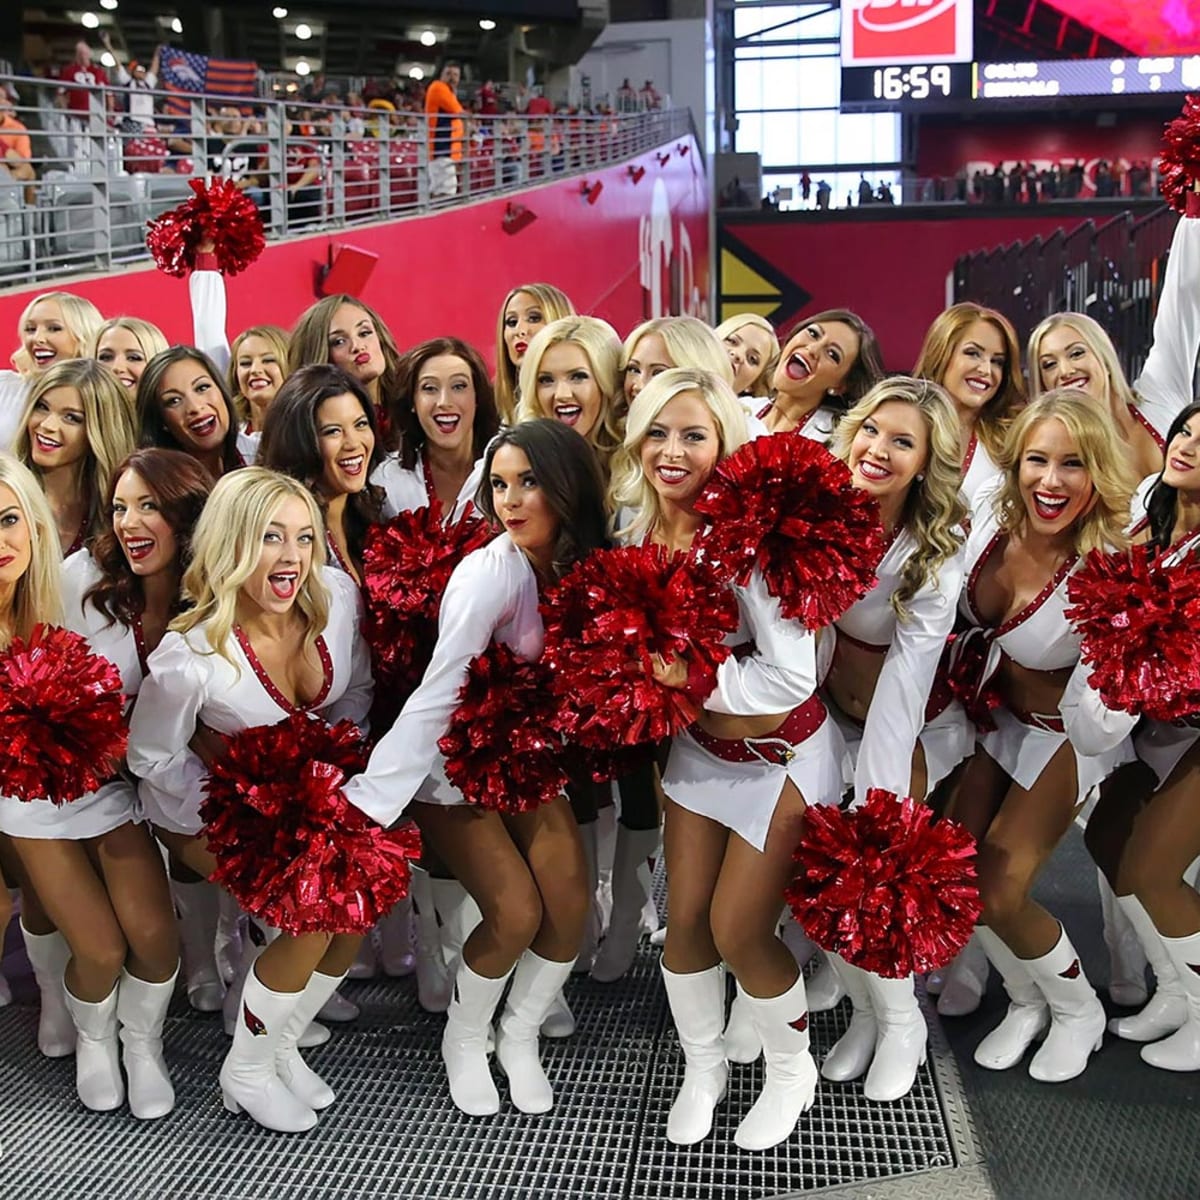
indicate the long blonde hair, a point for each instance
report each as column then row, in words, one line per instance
column 555, row 305
column 762, row 383
column 689, row 342
column 227, row 545
column 934, row 512
column 148, row 336
column 1094, row 336
column 80, row 317
column 277, row 339
column 1104, row 457
column 630, row 487
column 38, row 594
column 108, row 425
column 599, row 341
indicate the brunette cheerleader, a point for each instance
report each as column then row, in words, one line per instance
column 1064, row 490
column 737, row 782
column 272, row 632
column 753, row 349
column 526, row 871
column 525, row 311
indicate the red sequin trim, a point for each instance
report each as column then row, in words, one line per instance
column 269, row 684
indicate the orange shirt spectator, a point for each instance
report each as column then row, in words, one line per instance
column 441, row 109
column 14, row 137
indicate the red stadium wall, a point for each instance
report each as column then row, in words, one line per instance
column 891, row 270
column 639, row 248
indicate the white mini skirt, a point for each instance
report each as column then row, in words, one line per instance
column 93, row 815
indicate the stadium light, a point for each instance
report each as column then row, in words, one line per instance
column 89, row 21
column 429, row 38
column 416, row 73
column 109, row 5
column 302, row 68
column 176, row 25
column 303, row 32
column 487, row 24
column 279, row 13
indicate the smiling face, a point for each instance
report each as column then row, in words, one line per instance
column 354, row 344
column 524, row 315
column 284, row 561
column 445, row 401
column 816, row 361
column 193, row 408
column 57, row 429
column 122, row 354
column 650, row 357
column 567, row 390
column 1066, row 360
column 145, row 535
column 976, row 367
column 681, row 449
column 749, row 349
column 890, row 449
column 259, row 371
column 1055, row 485
column 521, row 504
column 16, row 539
column 346, row 442
column 1182, row 467
column 45, row 336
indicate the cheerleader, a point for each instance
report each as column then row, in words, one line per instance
column 321, row 431
column 444, row 415
column 78, row 425
column 526, row 871
column 826, row 365
column 258, row 361
column 901, row 442
column 1064, row 490
column 737, row 782
column 94, row 865
column 345, row 332
column 54, row 326
column 182, row 404
column 665, row 342
column 525, row 311
column 973, row 353
column 753, row 349
column 272, row 632
column 125, row 345
column 571, row 373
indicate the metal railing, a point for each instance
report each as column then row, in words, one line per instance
column 1112, row 272
column 99, row 173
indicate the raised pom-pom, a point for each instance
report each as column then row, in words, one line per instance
column 608, row 619
column 62, row 721
column 1139, row 628
column 289, row 846
column 885, row 887
column 501, row 749
column 219, row 212
column 786, row 505
column 1179, row 161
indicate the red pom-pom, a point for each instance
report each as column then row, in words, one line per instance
column 218, row 212
column 288, row 844
column 1179, row 161
column 606, row 619
column 407, row 564
column 501, row 751
column 786, row 505
column 1139, row 625
column 62, row 721
column 885, row 887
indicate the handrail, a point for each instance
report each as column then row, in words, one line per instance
column 101, row 173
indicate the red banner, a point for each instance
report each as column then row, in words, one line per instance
column 901, row 31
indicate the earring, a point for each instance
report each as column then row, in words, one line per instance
column 920, row 478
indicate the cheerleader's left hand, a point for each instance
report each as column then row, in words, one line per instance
column 671, row 673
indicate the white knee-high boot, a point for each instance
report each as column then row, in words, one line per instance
column 631, row 883
column 853, row 1051
column 48, row 956
column 434, row 981
column 97, row 1066
column 900, row 1044
column 825, row 987
column 1126, row 954
column 1181, row 1051
column 1028, row 1015
column 296, row 1075
column 1167, row 1010
column 199, row 907
column 464, row 1041
column 1077, row 1019
column 697, row 1003
column 142, row 1011
column 964, row 981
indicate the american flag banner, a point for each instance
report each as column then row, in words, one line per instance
column 186, row 74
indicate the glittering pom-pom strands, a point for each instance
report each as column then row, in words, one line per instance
column 219, row 212
column 885, row 887
column 289, row 847
column 607, row 621
column 62, row 720
column 1139, row 625
column 501, row 750
column 1179, row 164
column 784, row 504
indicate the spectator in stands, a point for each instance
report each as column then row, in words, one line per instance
column 805, row 186
column 488, row 106
column 649, row 95
column 16, row 150
column 303, row 179
column 865, row 194
column 445, row 128
column 626, row 97
column 141, row 83
column 824, row 192
column 85, row 74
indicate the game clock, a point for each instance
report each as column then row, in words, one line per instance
column 922, row 85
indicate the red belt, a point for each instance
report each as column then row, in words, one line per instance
column 1038, row 720
column 776, row 747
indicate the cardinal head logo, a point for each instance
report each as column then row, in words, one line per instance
column 253, row 1023
column 1072, row 972
column 800, row 1024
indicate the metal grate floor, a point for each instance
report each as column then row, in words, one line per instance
column 394, row 1132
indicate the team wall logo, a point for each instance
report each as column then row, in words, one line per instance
column 897, row 31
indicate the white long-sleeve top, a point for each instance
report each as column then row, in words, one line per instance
column 408, row 488
column 913, row 648
column 190, row 683
column 14, row 392
column 492, row 596
column 206, row 291
column 979, row 470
